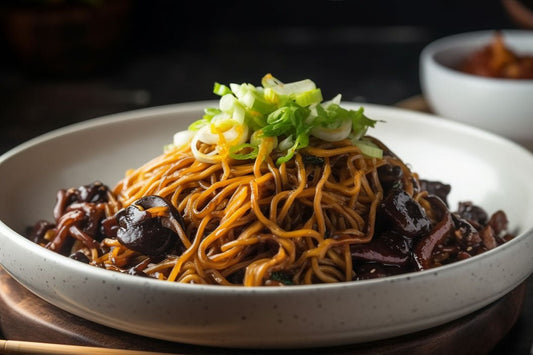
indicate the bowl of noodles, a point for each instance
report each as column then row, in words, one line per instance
column 268, row 218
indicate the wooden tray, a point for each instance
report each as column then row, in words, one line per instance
column 24, row 316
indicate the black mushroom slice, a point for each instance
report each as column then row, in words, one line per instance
column 498, row 222
column 436, row 188
column 491, row 233
column 78, row 213
column 472, row 213
column 93, row 193
column 406, row 215
column 424, row 247
column 390, row 177
column 80, row 256
column 37, row 232
column 402, row 181
column 148, row 230
column 466, row 235
column 387, row 248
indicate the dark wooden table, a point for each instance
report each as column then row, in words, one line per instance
column 23, row 316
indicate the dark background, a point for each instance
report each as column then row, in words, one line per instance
column 53, row 73
column 66, row 61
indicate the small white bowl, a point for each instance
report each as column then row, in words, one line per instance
column 502, row 106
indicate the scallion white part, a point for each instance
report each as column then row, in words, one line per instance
column 182, row 138
column 333, row 134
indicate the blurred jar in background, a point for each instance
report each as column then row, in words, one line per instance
column 64, row 37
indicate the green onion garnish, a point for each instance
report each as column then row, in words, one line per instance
column 289, row 112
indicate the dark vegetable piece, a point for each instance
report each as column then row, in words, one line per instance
column 92, row 193
column 466, row 234
column 489, row 238
column 151, row 235
column 472, row 213
column 109, row 227
column 491, row 232
column 78, row 213
column 135, row 272
column 80, row 256
column 387, row 248
column 281, row 278
column 38, row 230
column 403, row 182
column 390, row 177
column 312, row 160
column 498, row 222
column 406, row 215
column 436, row 188
column 80, row 223
column 425, row 246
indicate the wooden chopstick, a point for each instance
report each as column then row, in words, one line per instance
column 15, row 347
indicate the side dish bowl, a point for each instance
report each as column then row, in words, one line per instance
column 480, row 166
column 502, row 106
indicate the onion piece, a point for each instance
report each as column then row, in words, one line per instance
column 205, row 135
column 182, row 138
column 281, row 88
column 333, row 134
column 212, row 157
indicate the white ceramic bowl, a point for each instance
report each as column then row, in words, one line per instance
column 481, row 167
column 502, row 106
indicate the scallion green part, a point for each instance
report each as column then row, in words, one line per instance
column 369, row 149
column 290, row 112
column 221, row 89
column 250, row 151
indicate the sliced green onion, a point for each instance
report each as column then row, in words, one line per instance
column 333, row 134
column 254, row 102
column 286, row 144
column 241, row 90
column 227, row 103
column 252, row 154
column 239, row 113
column 210, row 112
column 257, row 137
column 230, row 105
column 250, row 116
column 279, row 87
column 336, row 100
column 310, row 97
column 302, row 141
column 271, row 96
column 361, row 123
column 221, row 89
column 196, row 125
column 268, row 81
column 270, row 144
column 299, row 86
column 369, row 149
column 255, row 119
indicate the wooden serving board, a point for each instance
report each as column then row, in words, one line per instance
column 24, row 316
